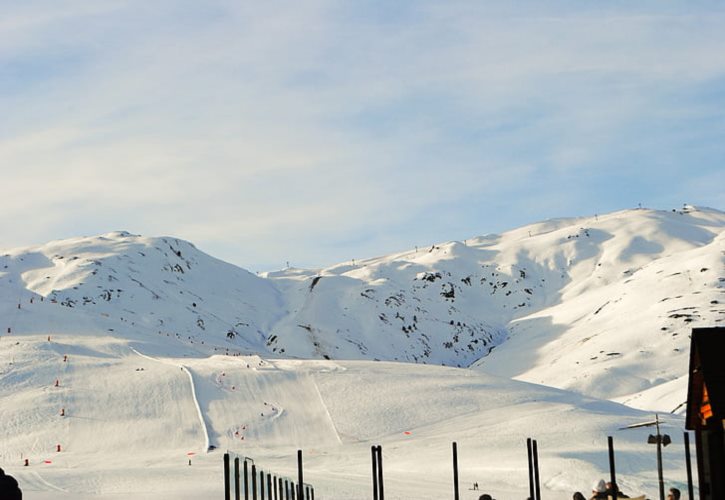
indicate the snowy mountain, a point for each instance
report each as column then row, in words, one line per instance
column 157, row 348
column 600, row 305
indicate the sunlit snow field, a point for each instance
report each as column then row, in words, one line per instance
column 564, row 331
column 131, row 422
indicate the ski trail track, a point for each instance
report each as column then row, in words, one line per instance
column 195, row 399
column 202, row 421
column 32, row 480
column 327, row 410
column 249, row 401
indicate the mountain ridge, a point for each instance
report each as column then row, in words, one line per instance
column 520, row 304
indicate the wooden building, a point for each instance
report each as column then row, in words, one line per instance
column 706, row 408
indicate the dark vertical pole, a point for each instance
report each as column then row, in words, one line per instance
column 659, row 458
column 292, row 489
column 286, row 489
column 261, row 485
column 612, row 472
column 307, row 493
column 275, row 480
column 535, row 449
column 254, row 482
column 236, row 478
column 380, row 472
column 690, row 489
column 269, row 486
column 659, row 468
column 246, row 481
column 373, row 452
column 227, row 495
column 531, row 469
column 455, row 471
column 300, row 483
column 313, row 493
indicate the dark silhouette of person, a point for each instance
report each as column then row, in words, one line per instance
column 599, row 490
column 612, row 488
column 674, row 494
column 485, row 496
column 9, row 489
column 578, row 496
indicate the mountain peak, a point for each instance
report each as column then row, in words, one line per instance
column 596, row 296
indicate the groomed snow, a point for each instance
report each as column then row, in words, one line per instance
column 571, row 329
column 131, row 421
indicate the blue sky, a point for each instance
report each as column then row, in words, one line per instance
column 316, row 132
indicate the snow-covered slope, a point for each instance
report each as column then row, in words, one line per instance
column 620, row 329
column 160, row 350
column 601, row 305
column 139, row 286
column 132, row 421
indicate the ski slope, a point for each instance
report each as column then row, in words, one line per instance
column 132, row 422
column 564, row 330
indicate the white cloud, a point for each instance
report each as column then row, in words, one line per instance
column 318, row 121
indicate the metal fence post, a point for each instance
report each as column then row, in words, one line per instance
column 612, row 472
column 380, row 472
column 300, row 483
column 455, row 471
column 226, row 477
column 373, row 452
column 236, row 478
column 246, row 481
column 254, row 482
column 530, row 450
column 690, row 489
column 535, row 449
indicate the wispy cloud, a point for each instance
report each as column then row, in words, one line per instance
column 286, row 130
